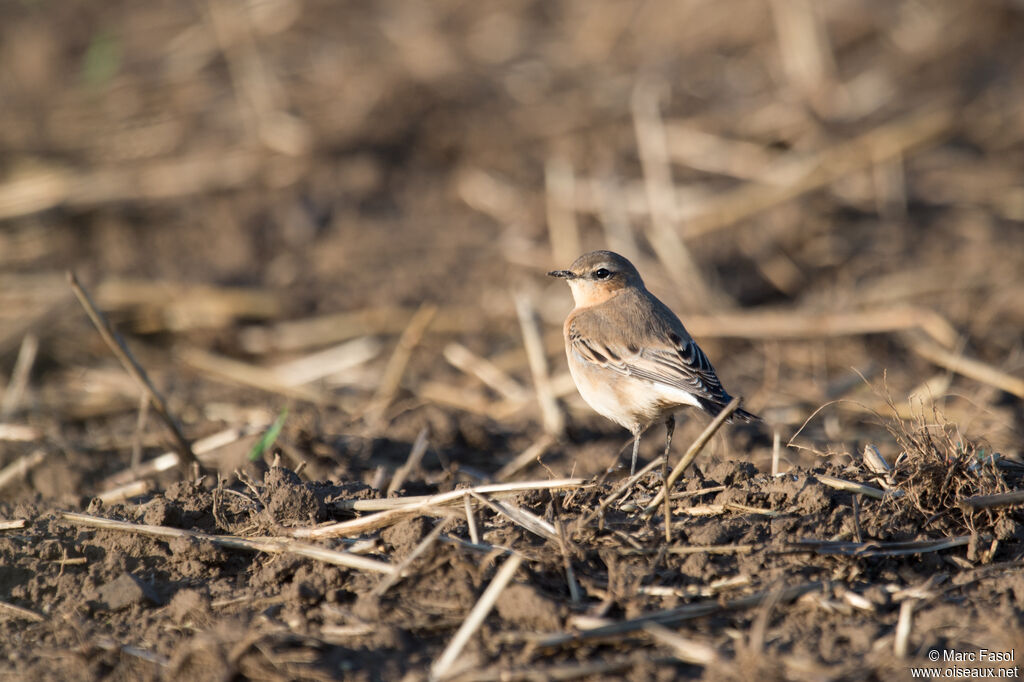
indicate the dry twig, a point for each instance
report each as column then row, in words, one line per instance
column 270, row 545
column 19, row 432
column 978, row 502
column 468, row 400
column 486, row 371
column 525, row 458
column 398, row 508
column 968, row 367
column 691, row 454
column 661, row 198
column 887, row 141
column 399, row 360
column 597, row 669
column 169, row 460
column 687, row 650
column 171, row 178
column 311, row 332
column 903, row 627
column 875, row 549
column 328, row 363
column 474, row 535
column 551, row 415
column 623, row 488
column 799, row 324
column 521, row 517
column 19, row 376
column 124, row 492
column 400, row 570
column 247, row 374
column 475, row 618
column 678, row 615
column 20, row 467
column 419, row 448
column 560, row 189
column 131, row 365
column 851, row 486
column 21, row 612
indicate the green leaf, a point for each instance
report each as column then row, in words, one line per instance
column 102, row 59
column 267, row 441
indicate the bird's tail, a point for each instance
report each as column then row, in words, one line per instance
column 739, row 415
column 742, row 415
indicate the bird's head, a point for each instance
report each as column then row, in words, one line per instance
column 597, row 276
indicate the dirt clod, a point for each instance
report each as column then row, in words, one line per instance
column 188, row 604
column 289, row 500
column 161, row 512
column 124, row 591
column 404, row 536
column 523, row 606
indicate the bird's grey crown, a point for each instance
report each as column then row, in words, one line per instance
column 595, row 260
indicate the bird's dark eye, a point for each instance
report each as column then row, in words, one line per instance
column 601, row 273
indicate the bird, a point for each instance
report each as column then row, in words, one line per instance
column 631, row 358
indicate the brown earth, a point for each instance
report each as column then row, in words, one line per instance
column 243, row 185
column 121, row 603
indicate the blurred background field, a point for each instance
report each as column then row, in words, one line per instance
column 347, row 209
column 828, row 193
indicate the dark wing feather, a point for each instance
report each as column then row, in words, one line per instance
column 677, row 362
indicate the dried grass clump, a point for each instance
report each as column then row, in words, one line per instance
column 937, row 468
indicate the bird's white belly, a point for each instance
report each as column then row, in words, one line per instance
column 626, row 400
column 601, row 397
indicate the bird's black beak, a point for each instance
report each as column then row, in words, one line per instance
column 562, row 274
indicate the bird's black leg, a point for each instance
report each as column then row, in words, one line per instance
column 670, row 428
column 636, row 449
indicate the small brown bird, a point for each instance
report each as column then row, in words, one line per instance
column 630, row 356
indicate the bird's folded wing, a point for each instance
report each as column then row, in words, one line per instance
column 677, row 363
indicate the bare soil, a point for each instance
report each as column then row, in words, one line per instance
column 124, row 604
